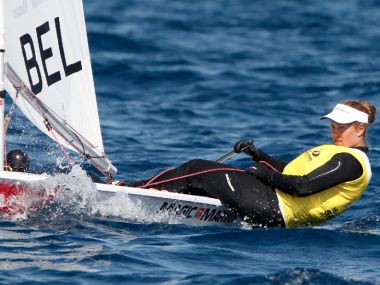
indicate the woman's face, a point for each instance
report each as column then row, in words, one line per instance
column 348, row 135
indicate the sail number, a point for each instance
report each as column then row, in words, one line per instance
column 46, row 52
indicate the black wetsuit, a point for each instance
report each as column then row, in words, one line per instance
column 254, row 197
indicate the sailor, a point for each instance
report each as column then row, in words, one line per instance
column 17, row 160
column 309, row 190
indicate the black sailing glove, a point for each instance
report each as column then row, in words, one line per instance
column 246, row 146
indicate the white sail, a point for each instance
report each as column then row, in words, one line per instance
column 47, row 51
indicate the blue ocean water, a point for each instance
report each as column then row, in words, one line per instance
column 178, row 80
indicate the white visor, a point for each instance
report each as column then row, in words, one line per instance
column 344, row 114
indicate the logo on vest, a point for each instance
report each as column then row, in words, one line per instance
column 311, row 154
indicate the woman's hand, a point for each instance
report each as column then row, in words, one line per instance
column 246, row 146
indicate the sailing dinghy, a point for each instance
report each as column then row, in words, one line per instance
column 45, row 67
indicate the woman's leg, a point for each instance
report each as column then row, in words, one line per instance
column 187, row 178
column 234, row 187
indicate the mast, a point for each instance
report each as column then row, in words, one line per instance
column 2, row 84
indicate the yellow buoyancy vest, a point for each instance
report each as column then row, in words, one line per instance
column 320, row 207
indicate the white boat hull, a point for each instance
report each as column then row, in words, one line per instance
column 160, row 206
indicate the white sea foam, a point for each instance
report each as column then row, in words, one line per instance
column 78, row 195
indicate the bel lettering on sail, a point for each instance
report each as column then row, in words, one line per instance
column 46, row 52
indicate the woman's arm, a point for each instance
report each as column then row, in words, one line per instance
column 341, row 168
column 260, row 155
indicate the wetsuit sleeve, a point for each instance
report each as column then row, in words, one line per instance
column 260, row 155
column 341, row 168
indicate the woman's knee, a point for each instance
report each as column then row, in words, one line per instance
column 197, row 161
column 196, row 165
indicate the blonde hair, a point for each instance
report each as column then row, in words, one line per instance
column 365, row 107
